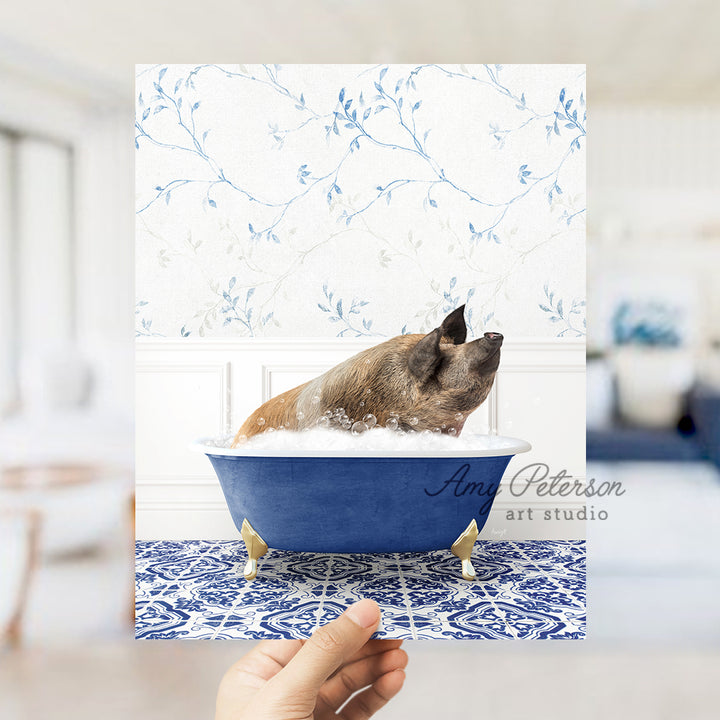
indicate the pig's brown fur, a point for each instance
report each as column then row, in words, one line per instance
column 378, row 381
column 274, row 413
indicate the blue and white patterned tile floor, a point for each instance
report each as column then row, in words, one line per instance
column 196, row 589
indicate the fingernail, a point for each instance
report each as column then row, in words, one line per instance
column 364, row 613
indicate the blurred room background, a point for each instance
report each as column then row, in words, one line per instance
column 66, row 356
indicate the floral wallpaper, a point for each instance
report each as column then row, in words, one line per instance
column 343, row 200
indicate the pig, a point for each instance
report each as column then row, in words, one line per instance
column 412, row 382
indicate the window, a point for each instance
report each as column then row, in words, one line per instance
column 37, row 268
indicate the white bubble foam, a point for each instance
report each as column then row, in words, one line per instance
column 284, row 442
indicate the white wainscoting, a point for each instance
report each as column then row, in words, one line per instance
column 190, row 388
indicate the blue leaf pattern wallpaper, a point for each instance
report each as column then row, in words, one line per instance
column 344, row 200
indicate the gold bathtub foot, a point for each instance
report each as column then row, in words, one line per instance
column 462, row 548
column 256, row 548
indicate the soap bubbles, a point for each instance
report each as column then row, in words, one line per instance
column 370, row 420
column 339, row 417
column 356, row 420
column 361, row 440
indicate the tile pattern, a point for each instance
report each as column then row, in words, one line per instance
column 524, row 590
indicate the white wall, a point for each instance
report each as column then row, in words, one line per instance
column 654, row 229
column 641, row 155
column 70, row 252
column 192, row 388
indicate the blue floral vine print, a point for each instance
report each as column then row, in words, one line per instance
column 238, row 308
column 345, row 117
column 339, row 313
column 144, row 328
column 558, row 312
column 250, row 204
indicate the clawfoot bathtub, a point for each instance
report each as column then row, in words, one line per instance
column 340, row 501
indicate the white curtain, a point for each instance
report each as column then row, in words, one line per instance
column 45, row 254
column 8, row 340
column 37, row 284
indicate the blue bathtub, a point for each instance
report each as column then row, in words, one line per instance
column 337, row 501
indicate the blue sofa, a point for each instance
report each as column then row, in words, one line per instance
column 696, row 438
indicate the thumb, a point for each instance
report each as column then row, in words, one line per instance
column 328, row 648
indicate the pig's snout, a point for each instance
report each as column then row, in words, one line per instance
column 494, row 337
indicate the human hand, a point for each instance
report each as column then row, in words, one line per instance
column 312, row 679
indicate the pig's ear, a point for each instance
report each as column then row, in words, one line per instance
column 425, row 356
column 453, row 326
